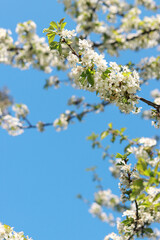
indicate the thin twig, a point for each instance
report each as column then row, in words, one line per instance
column 70, row 117
column 156, row 106
column 69, row 45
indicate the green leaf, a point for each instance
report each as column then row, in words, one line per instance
column 60, row 48
column 141, row 197
column 80, row 116
column 128, row 221
column 54, row 45
column 138, row 182
column 136, row 187
column 156, row 197
column 93, row 137
column 61, row 21
column 110, row 125
column 126, row 74
column 91, row 169
column 54, row 25
column 105, row 74
column 104, row 134
column 107, row 71
column 123, row 138
column 51, row 37
column 90, row 79
column 45, row 30
column 118, row 155
column 83, row 75
column 122, row 130
column 148, row 230
column 68, row 41
column 96, row 144
column 141, row 165
column 7, row 227
column 146, row 204
column 156, row 168
column 63, row 25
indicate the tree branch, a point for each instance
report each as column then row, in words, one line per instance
column 128, row 39
column 70, row 117
column 154, row 105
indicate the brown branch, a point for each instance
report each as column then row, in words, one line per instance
column 154, row 105
column 70, row 117
column 128, row 39
column 69, row 45
column 137, row 215
column 12, row 49
column 92, row 108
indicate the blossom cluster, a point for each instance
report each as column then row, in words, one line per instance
column 21, row 110
column 132, row 186
column 52, row 81
column 62, row 122
column 28, row 50
column 5, row 101
column 106, row 199
column 96, row 211
column 138, row 182
column 12, row 124
column 86, row 14
column 114, row 83
column 145, row 34
column 149, row 68
column 150, row 4
column 6, row 232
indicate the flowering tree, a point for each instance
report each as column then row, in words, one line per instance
column 81, row 53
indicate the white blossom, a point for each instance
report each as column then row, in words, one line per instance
column 21, row 110
column 12, row 125
column 67, row 33
column 147, row 142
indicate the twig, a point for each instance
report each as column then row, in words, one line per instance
column 156, row 106
column 70, row 117
column 73, row 51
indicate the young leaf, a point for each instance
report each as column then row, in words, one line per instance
column 61, row 21
column 156, row 197
column 51, row 37
column 104, row 134
column 54, row 45
column 90, row 79
column 63, row 25
column 54, row 25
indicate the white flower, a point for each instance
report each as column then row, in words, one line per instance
column 62, row 122
column 72, row 59
column 67, row 33
column 112, row 236
column 155, row 93
column 6, row 232
column 21, row 110
column 147, row 142
column 84, row 44
column 53, row 80
column 157, row 100
column 40, row 126
column 12, row 125
column 95, row 209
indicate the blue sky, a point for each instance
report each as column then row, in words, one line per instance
column 41, row 173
